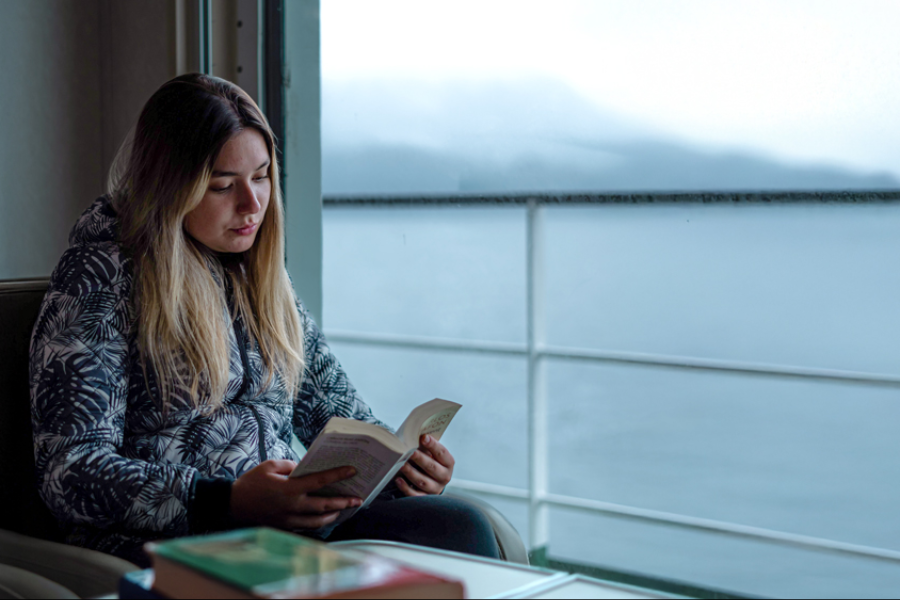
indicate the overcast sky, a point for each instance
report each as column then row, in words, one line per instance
column 802, row 80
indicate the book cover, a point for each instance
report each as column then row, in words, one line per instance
column 267, row 563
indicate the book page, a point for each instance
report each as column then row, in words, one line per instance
column 431, row 418
column 354, row 427
column 372, row 461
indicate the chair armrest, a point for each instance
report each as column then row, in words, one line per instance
column 19, row 583
column 87, row 573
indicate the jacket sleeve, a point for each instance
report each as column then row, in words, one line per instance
column 79, row 386
column 325, row 390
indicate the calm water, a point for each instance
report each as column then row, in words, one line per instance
column 801, row 285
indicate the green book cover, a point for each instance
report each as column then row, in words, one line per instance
column 266, row 561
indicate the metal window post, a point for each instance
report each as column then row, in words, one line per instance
column 538, row 511
column 300, row 91
column 206, row 43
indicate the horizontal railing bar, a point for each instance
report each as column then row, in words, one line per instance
column 733, row 529
column 683, row 521
column 515, row 199
column 489, row 489
column 427, row 343
column 749, row 368
column 638, row 358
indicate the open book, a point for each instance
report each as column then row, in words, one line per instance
column 376, row 453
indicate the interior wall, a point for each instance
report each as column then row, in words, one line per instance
column 224, row 32
column 139, row 52
column 50, row 138
column 76, row 73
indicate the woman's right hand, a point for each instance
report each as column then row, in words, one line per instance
column 265, row 495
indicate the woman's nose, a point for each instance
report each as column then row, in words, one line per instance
column 248, row 203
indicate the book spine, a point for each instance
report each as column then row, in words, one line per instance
column 387, row 478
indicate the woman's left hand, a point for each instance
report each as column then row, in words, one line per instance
column 432, row 471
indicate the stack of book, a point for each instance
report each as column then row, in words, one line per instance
column 267, row 563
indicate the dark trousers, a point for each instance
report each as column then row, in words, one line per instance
column 435, row 521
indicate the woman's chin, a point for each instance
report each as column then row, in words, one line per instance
column 241, row 244
column 242, row 247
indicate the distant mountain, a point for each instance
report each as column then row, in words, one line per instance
column 528, row 136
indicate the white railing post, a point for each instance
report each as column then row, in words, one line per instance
column 538, row 468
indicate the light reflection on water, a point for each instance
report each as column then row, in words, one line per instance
column 803, row 285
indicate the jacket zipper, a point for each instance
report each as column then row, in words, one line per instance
column 263, row 455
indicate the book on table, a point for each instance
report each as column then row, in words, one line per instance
column 268, row 563
column 376, row 453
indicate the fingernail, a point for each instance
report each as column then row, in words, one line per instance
column 428, row 439
column 350, row 471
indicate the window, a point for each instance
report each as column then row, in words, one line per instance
column 659, row 235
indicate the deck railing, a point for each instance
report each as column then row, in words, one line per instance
column 538, row 496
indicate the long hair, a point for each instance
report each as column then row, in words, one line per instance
column 160, row 175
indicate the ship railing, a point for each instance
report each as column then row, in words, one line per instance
column 538, row 496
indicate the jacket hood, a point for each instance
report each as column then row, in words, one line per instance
column 99, row 223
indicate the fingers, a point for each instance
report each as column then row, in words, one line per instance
column 310, row 521
column 435, row 460
column 266, row 496
column 420, row 480
column 320, row 505
column 431, row 468
column 408, row 489
column 316, row 481
column 279, row 467
column 438, row 451
column 311, row 512
column 434, row 473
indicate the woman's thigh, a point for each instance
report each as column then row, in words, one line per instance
column 434, row 521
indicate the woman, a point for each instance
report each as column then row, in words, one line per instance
column 171, row 362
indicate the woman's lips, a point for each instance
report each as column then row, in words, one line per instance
column 246, row 230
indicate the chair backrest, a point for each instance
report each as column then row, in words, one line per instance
column 23, row 511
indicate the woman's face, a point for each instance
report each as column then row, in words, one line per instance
column 235, row 203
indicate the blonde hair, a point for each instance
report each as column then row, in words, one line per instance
column 160, row 175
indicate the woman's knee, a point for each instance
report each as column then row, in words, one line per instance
column 463, row 526
column 435, row 521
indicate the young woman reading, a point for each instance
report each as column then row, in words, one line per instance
column 171, row 361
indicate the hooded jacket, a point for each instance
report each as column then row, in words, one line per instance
column 112, row 467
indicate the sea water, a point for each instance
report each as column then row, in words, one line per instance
column 802, row 285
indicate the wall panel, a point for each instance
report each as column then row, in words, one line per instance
column 75, row 77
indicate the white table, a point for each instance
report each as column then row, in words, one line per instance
column 487, row 578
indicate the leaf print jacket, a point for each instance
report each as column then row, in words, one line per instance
column 114, row 470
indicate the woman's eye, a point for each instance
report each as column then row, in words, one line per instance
column 261, row 178
column 221, row 190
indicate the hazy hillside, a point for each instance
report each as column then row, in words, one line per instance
column 410, row 137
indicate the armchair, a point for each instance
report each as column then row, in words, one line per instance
column 34, row 563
